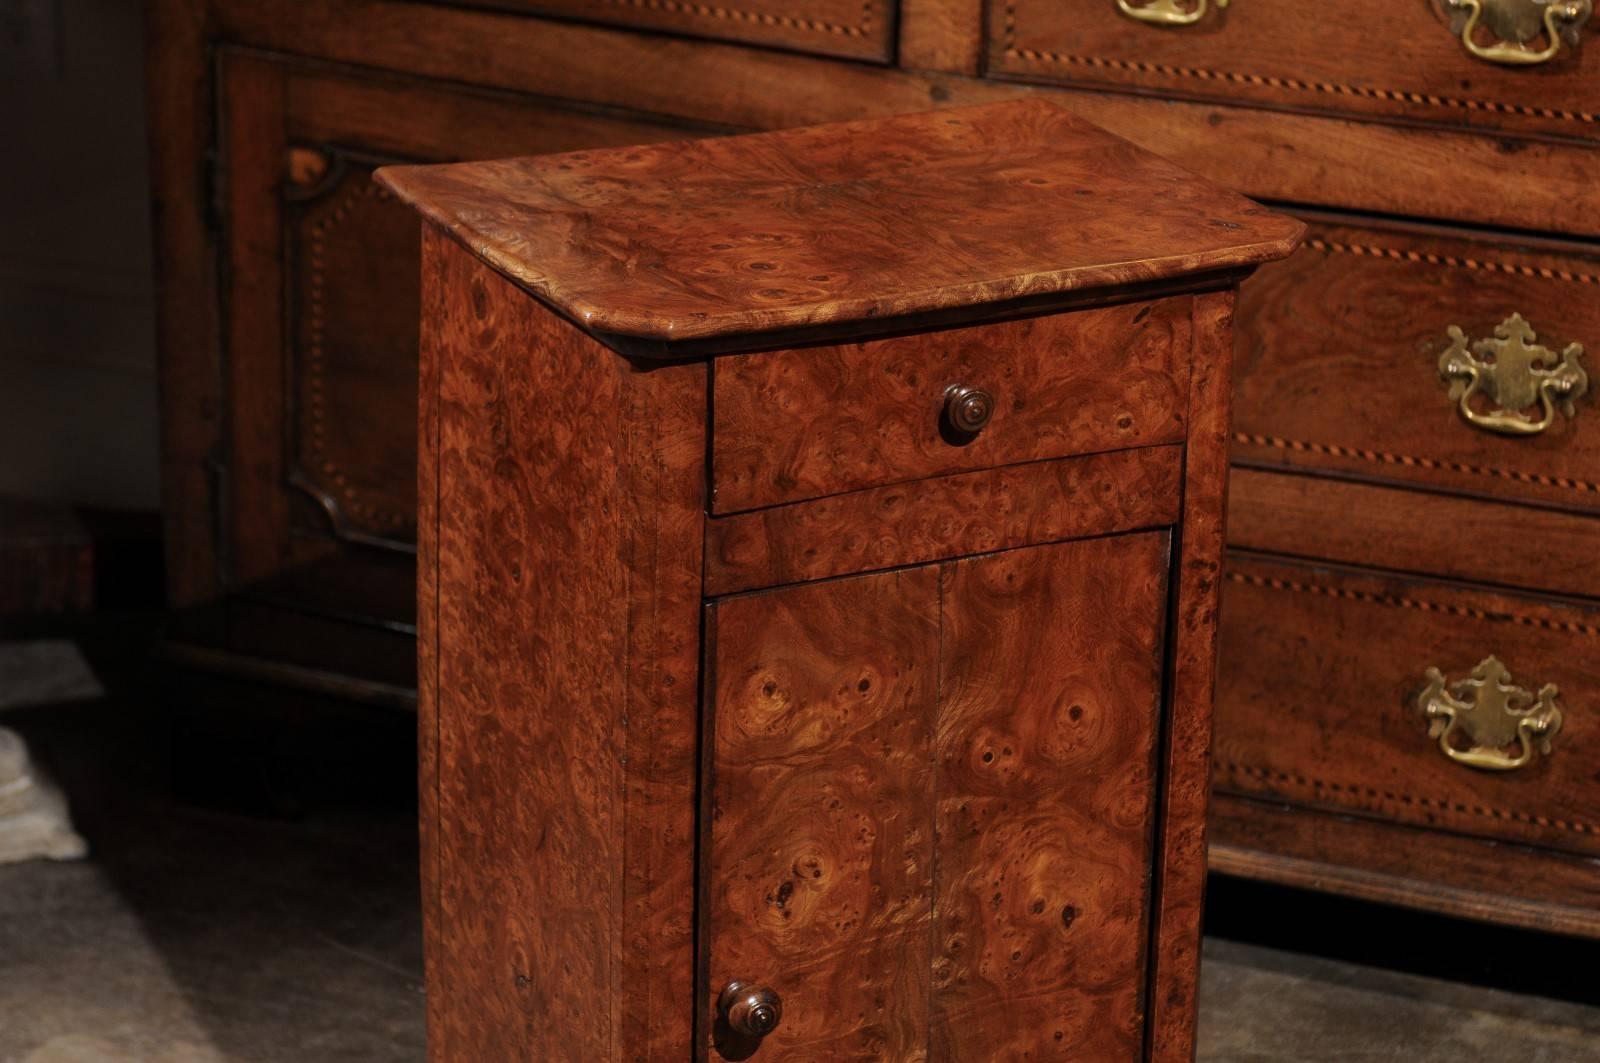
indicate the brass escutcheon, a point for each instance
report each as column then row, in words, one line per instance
column 1516, row 25
column 1169, row 12
column 1478, row 719
column 1513, row 372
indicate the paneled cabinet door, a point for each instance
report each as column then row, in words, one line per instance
column 929, row 809
column 317, row 497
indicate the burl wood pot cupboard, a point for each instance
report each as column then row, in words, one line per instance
column 1414, row 484
column 820, row 545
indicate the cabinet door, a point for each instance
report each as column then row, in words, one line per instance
column 929, row 812
column 319, row 370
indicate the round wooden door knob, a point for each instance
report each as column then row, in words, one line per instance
column 750, row 1010
column 967, row 409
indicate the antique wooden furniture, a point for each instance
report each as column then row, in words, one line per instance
column 1443, row 152
column 819, row 556
column 46, row 559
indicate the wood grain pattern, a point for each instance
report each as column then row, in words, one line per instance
column 791, row 425
column 1341, row 354
column 1050, row 692
column 1307, row 157
column 433, row 82
column 1304, row 158
column 434, row 291
column 821, row 836
column 1406, row 531
column 349, row 276
column 377, row 115
column 875, row 219
column 665, row 508
column 1433, row 871
column 938, row 35
column 933, row 520
column 1319, row 160
column 1186, row 754
column 322, row 282
column 1313, row 710
column 565, row 807
column 855, row 29
column 1369, row 57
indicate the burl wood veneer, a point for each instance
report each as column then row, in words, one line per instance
column 820, row 546
column 1443, row 158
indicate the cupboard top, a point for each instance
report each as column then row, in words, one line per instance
column 839, row 223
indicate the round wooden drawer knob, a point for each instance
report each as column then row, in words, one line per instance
column 750, row 1010
column 967, row 409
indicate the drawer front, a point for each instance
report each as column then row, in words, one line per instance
column 930, row 804
column 857, row 29
column 1322, row 677
column 801, row 424
column 1425, row 359
column 1359, row 57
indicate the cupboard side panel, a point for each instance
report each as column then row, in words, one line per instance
column 1180, row 858
column 566, row 563
column 1050, row 693
column 531, row 616
column 435, row 293
column 821, row 828
column 663, row 508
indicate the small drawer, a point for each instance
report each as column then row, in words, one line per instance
column 799, row 424
column 1439, row 360
column 1325, row 674
column 1356, row 57
column 854, row 29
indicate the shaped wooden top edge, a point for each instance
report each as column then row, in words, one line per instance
column 857, row 221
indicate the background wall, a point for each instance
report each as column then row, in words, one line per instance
column 77, row 357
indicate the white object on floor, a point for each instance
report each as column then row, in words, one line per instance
column 43, row 672
column 33, row 810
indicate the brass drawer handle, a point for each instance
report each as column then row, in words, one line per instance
column 1513, row 372
column 1168, row 12
column 1478, row 719
column 1515, row 25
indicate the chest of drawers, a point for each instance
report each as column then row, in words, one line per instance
column 1442, row 151
column 819, row 566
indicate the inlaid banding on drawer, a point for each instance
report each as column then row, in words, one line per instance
column 856, row 29
column 1341, row 368
column 1360, row 57
column 1318, row 688
column 819, row 421
column 951, row 516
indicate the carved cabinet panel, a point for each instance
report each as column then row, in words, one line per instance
column 317, row 498
column 353, row 384
column 931, row 804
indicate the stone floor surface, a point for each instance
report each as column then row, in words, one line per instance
column 194, row 934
